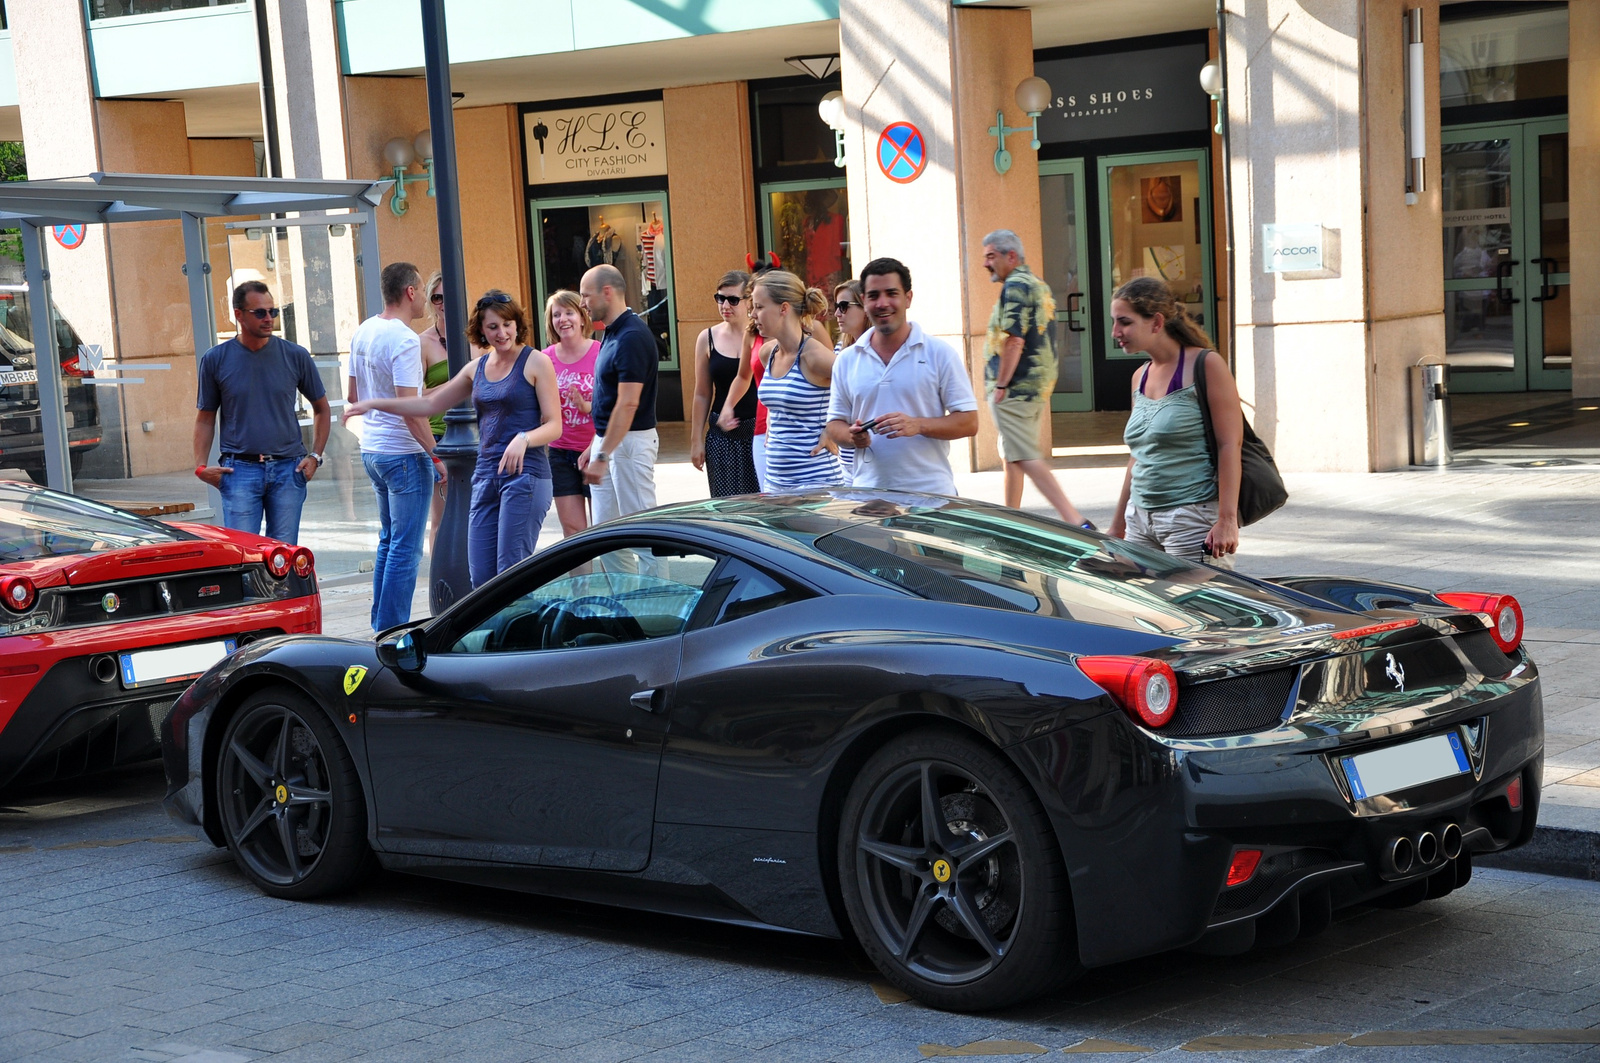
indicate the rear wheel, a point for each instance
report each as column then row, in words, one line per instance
column 952, row 877
column 290, row 800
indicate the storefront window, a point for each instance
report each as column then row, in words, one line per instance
column 809, row 229
column 1503, row 57
column 1156, row 228
column 628, row 234
column 99, row 9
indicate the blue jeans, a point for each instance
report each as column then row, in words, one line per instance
column 503, row 523
column 404, row 486
column 253, row 489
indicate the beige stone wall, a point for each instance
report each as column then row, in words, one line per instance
column 150, row 292
column 376, row 111
column 227, row 157
column 1583, row 161
column 713, row 204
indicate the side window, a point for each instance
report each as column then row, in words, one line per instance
column 623, row 595
column 742, row 591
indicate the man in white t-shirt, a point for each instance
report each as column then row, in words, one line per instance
column 385, row 363
column 899, row 395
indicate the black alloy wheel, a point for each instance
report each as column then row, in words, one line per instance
column 290, row 800
column 952, row 876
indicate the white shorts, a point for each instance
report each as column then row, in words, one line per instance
column 1180, row 531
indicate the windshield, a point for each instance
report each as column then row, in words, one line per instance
column 36, row 523
column 1005, row 559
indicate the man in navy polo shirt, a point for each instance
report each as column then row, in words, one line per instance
column 620, row 465
column 263, row 466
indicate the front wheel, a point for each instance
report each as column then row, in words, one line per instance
column 290, row 800
column 952, row 876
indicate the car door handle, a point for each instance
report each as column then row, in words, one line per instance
column 648, row 700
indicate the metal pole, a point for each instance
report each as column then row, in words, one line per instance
column 46, row 360
column 448, row 576
column 1227, row 185
column 370, row 268
column 202, row 317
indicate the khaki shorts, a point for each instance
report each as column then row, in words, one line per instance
column 1018, row 421
column 1180, row 531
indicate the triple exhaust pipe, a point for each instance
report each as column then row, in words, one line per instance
column 1403, row 854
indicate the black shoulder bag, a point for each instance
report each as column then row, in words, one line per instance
column 1261, row 489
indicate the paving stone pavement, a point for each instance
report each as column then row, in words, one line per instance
column 126, row 941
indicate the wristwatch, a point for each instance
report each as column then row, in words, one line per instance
column 319, row 459
column 599, row 455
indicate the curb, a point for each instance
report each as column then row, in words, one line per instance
column 1552, row 851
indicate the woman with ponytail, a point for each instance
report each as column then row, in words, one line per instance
column 797, row 372
column 1174, row 498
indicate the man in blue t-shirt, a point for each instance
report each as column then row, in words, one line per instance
column 620, row 465
column 263, row 466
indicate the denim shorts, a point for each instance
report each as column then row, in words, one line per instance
column 564, row 472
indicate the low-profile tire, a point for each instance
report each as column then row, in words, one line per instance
column 975, row 914
column 289, row 800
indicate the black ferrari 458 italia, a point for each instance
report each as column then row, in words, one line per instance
column 993, row 748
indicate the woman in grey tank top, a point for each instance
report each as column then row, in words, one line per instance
column 1174, row 498
column 519, row 415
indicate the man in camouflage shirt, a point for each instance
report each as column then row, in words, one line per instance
column 1019, row 371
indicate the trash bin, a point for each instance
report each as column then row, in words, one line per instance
column 1430, row 415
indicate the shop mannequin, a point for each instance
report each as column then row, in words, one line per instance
column 603, row 245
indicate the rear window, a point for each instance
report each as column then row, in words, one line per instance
column 36, row 523
column 1004, row 559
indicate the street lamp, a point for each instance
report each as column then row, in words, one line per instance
column 1211, row 85
column 400, row 153
column 1033, row 98
column 831, row 110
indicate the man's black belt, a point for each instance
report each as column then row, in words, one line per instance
column 259, row 458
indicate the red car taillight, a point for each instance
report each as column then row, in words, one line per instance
column 1503, row 611
column 1147, row 690
column 1244, row 865
column 279, row 561
column 70, row 367
column 18, row 593
column 303, row 562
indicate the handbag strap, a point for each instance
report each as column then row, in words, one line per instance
column 1205, row 406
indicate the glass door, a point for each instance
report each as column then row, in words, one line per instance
column 808, row 224
column 1063, row 264
column 631, row 232
column 1506, row 256
column 1155, row 220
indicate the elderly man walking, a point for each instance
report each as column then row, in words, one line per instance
column 1020, row 371
column 620, row 464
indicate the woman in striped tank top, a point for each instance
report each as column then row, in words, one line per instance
column 794, row 386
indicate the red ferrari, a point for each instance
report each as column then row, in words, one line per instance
column 106, row 617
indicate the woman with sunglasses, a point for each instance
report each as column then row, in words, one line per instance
column 435, row 371
column 573, row 354
column 519, row 413
column 728, row 457
column 851, row 318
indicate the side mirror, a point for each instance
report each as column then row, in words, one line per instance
column 403, row 653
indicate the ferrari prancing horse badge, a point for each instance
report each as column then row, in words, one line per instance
column 353, row 677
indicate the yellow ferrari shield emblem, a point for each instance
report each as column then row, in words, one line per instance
column 941, row 871
column 282, row 794
column 353, row 677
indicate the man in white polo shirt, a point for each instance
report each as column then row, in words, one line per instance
column 899, row 395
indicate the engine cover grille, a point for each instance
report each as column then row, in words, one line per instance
column 1241, row 705
column 1485, row 655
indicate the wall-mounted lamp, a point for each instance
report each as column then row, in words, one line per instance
column 831, row 109
column 1033, row 97
column 1211, row 85
column 400, row 153
column 1416, row 115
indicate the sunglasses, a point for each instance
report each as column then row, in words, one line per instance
column 437, row 298
column 267, row 313
column 843, row 308
column 493, row 299
column 728, row 300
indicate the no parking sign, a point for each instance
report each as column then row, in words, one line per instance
column 902, row 153
column 69, row 236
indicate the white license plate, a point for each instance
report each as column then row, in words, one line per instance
column 19, row 376
column 1401, row 767
column 172, row 663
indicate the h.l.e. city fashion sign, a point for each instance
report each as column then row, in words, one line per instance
column 1124, row 94
column 596, row 143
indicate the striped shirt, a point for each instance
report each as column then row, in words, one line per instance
column 797, row 410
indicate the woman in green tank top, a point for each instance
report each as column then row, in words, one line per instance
column 435, row 371
column 1174, row 497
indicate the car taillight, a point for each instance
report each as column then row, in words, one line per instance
column 70, row 367
column 1244, row 865
column 1504, row 613
column 1514, row 793
column 18, row 593
column 1147, row 690
column 303, row 562
column 279, row 561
